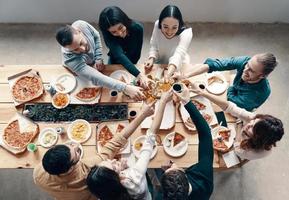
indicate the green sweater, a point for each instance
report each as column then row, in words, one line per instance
column 200, row 175
column 245, row 95
column 126, row 51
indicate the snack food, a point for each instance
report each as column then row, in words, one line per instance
column 27, row 88
column 79, row 131
column 207, row 117
column 88, row 94
column 13, row 138
column 199, row 105
column 48, row 137
column 219, row 144
column 215, row 79
column 138, row 146
column 225, row 134
column 104, row 135
column 60, row 100
column 178, row 138
column 119, row 128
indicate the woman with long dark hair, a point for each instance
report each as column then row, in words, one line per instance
column 170, row 40
column 124, row 38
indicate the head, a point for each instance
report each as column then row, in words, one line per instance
column 105, row 184
column 72, row 39
column 259, row 67
column 175, row 184
column 60, row 159
column 171, row 21
column 113, row 20
column 263, row 132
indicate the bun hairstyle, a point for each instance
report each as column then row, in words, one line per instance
column 172, row 11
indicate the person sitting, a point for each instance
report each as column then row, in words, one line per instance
column 170, row 41
column 63, row 175
column 112, row 180
column 82, row 54
column 259, row 133
column 195, row 182
column 250, row 87
column 124, row 38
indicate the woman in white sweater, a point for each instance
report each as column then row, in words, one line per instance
column 113, row 179
column 170, row 41
column 259, row 133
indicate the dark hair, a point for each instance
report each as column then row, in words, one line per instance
column 64, row 35
column 57, row 160
column 111, row 16
column 266, row 133
column 172, row 11
column 105, row 184
column 175, row 185
column 269, row 62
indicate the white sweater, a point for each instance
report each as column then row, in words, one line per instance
column 245, row 116
column 170, row 51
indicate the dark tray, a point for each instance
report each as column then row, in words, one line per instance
column 45, row 112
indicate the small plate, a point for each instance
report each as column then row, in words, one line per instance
column 121, row 73
column 79, row 145
column 65, row 83
column 215, row 134
column 81, row 130
column 176, row 151
column 217, row 87
column 48, row 137
column 141, row 139
column 57, row 95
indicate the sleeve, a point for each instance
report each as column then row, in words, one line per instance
column 248, row 100
column 205, row 164
column 182, row 48
column 119, row 55
column 241, row 113
column 226, row 63
column 139, row 42
column 77, row 64
column 246, row 154
column 154, row 50
column 98, row 45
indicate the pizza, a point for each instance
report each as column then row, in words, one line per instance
column 219, row 144
column 104, row 135
column 225, row 134
column 27, row 88
column 186, row 82
column 88, row 93
column 199, row 105
column 178, row 138
column 207, row 117
column 12, row 136
column 119, row 128
column 214, row 79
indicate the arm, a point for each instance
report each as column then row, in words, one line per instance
column 138, row 40
column 226, row 63
column 97, row 42
column 153, row 53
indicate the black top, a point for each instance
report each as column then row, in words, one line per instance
column 126, row 51
column 200, row 175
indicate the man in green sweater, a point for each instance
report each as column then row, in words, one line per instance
column 251, row 87
column 196, row 182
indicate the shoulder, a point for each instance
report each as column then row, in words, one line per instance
column 186, row 33
column 83, row 25
column 40, row 175
column 137, row 26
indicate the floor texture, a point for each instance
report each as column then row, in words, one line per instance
column 265, row 179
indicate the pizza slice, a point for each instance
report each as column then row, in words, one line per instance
column 104, row 135
column 214, row 79
column 219, row 144
column 199, row 105
column 186, row 82
column 88, row 93
column 225, row 134
column 119, row 128
column 207, row 117
column 178, row 138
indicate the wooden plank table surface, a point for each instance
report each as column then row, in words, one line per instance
column 47, row 73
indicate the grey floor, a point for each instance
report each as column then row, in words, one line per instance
column 266, row 179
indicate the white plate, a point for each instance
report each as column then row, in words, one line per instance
column 215, row 87
column 119, row 73
column 43, row 134
column 60, row 107
column 137, row 152
column 87, row 134
column 232, row 134
column 176, row 151
column 67, row 81
column 79, row 145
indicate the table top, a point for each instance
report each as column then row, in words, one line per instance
column 47, row 73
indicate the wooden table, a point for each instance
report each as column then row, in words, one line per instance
column 47, row 72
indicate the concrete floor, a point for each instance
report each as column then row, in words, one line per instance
column 265, row 179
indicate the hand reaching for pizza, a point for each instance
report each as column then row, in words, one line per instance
column 178, row 76
column 134, row 92
column 143, row 80
column 99, row 65
column 184, row 95
column 167, row 96
column 148, row 109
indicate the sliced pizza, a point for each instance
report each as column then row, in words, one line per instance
column 214, row 79
column 178, row 138
column 219, row 144
column 199, row 105
column 119, row 128
column 88, row 93
column 225, row 134
column 207, row 117
column 104, row 135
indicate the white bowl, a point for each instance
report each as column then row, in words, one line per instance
column 80, row 127
column 48, row 137
column 137, row 152
column 63, row 106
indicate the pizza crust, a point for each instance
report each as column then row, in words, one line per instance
column 88, row 94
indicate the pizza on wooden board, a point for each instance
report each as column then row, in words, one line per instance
column 88, row 93
column 13, row 138
column 27, row 88
column 178, row 138
column 104, row 135
column 199, row 105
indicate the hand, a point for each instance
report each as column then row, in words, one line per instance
column 149, row 64
column 148, row 109
column 134, row 92
column 99, row 65
column 195, row 87
column 167, row 96
column 178, row 76
column 170, row 72
column 184, row 95
column 143, row 80
column 123, row 163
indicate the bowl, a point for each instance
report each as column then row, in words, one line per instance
column 79, row 131
column 48, row 137
column 60, row 100
column 137, row 145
